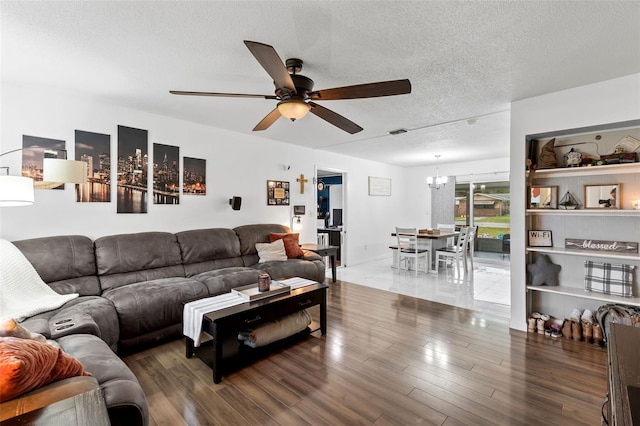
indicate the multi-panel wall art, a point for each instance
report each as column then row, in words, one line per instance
column 34, row 150
column 95, row 150
column 194, row 181
column 133, row 159
column 166, row 174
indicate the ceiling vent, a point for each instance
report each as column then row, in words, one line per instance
column 398, row 131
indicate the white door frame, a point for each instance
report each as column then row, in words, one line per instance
column 343, row 234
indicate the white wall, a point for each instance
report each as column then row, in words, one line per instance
column 236, row 165
column 609, row 101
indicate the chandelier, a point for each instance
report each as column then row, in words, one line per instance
column 437, row 181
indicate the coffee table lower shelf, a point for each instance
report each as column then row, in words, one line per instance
column 223, row 352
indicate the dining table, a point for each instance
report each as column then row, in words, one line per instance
column 431, row 239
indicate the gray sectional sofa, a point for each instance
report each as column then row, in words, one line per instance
column 131, row 289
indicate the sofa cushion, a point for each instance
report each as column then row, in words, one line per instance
column 249, row 235
column 66, row 263
column 293, row 268
column 26, row 364
column 131, row 258
column 148, row 306
column 209, row 249
column 291, row 243
column 223, row 280
column 272, row 252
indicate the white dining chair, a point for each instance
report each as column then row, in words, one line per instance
column 451, row 227
column 457, row 253
column 408, row 250
column 471, row 240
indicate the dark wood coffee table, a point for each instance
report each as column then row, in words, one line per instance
column 223, row 325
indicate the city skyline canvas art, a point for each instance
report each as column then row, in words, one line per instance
column 166, row 174
column 194, row 180
column 133, row 166
column 95, row 150
column 34, row 150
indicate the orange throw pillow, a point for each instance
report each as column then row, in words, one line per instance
column 291, row 244
column 28, row 364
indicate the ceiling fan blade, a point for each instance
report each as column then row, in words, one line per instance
column 368, row 90
column 268, row 120
column 335, row 118
column 225, row 95
column 271, row 62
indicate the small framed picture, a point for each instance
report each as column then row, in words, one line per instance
column 540, row 239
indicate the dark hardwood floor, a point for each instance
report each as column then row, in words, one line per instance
column 387, row 359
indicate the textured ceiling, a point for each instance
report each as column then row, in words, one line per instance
column 464, row 60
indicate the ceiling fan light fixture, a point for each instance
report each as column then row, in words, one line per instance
column 293, row 109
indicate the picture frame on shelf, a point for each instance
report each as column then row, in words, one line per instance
column 544, row 197
column 602, row 196
column 540, row 238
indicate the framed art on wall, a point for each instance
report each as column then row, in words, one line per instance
column 277, row 193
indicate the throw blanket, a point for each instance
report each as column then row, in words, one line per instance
column 194, row 312
column 276, row 330
column 22, row 291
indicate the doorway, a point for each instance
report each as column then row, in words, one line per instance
column 331, row 225
column 486, row 204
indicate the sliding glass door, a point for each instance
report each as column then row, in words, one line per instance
column 486, row 205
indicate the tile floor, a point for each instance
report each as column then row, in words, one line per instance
column 488, row 289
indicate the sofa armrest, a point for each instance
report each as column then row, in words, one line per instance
column 310, row 255
column 46, row 395
column 76, row 323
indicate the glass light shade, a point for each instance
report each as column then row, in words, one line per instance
column 293, row 109
column 67, row 171
column 16, row 191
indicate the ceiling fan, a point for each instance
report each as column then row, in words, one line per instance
column 296, row 95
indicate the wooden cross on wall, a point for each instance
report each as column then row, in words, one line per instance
column 302, row 181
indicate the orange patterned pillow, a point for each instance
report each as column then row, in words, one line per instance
column 28, row 364
column 291, row 244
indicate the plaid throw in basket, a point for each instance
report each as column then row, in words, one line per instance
column 608, row 278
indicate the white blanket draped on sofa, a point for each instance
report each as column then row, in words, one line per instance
column 22, row 291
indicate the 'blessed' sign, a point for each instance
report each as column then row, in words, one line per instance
column 597, row 245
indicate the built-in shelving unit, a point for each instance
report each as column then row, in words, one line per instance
column 604, row 224
column 577, row 292
column 583, row 253
column 584, row 212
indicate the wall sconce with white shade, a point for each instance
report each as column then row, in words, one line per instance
column 437, row 181
column 296, row 223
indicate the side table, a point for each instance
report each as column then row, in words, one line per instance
column 331, row 251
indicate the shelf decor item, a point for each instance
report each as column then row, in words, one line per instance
column 540, row 239
column 608, row 278
column 568, row 202
column 543, row 271
column 602, row 196
column 544, row 197
column 599, row 245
